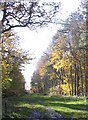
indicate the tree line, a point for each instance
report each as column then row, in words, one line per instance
column 31, row 14
column 13, row 60
column 63, row 70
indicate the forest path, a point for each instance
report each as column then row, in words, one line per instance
column 48, row 114
column 42, row 107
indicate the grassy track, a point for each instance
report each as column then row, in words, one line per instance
column 21, row 107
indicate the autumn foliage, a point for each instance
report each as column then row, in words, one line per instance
column 63, row 69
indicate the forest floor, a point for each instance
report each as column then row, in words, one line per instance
column 22, row 106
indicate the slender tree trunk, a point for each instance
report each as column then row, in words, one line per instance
column 86, row 86
column 1, row 57
column 71, row 79
column 59, row 83
column 75, row 81
column 52, row 86
column 81, row 79
column 61, row 78
column 85, row 81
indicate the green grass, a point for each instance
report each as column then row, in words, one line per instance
column 21, row 107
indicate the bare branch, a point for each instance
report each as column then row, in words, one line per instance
column 21, row 14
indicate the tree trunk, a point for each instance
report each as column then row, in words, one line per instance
column 71, row 79
column 75, row 81
column 86, row 85
column 81, row 78
column 85, row 77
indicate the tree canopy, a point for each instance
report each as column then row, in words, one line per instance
column 63, row 70
column 13, row 60
column 27, row 14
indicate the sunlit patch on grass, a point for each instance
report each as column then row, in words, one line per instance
column 23, row 105
column 72, row 107
column 14, row 115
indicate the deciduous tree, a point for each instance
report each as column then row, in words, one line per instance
column 27, row 14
